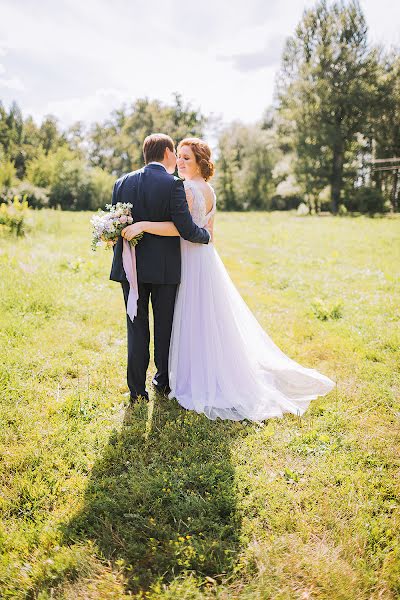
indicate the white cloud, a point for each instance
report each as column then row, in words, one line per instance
column 383, row 20
column 79, row 60
column 96, row 106
column 269, row 56
column 14, row 83
column 9, row 83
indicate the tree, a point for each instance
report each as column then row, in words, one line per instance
column 246, row 158
column 50, row 136
column 41, row 170
column 3, row 130
column 75, row 137
column 116, row 145
column 326, row 89
column 30, row 146
column 386, row 125
column 22, row 141
column 101, row 184
column 7, row 175
column 74, row 170
column 11, row 130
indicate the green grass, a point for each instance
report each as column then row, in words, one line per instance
column 98, row 501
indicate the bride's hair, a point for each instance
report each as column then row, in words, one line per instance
column 202, row 152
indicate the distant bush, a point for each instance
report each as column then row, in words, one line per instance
column 366, row 200
column 71, row 183
column 12, row 216
column 37, row 197
column 284, row 202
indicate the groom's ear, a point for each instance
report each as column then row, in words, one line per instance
column 168, row 153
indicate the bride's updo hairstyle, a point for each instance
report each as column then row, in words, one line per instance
column 202, row 153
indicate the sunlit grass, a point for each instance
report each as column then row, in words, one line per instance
column 99, row 501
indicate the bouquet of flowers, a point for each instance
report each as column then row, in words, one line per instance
column 107, row 226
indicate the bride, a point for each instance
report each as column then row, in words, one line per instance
column 221, row 362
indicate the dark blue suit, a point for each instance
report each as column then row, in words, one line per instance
column 156, row 196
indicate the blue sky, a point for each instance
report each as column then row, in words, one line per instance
column 79, row 60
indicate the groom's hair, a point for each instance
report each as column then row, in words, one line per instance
column 154, row 147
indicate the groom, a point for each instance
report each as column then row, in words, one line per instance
column 156, row 195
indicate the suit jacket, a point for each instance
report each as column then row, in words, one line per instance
column 156, row 196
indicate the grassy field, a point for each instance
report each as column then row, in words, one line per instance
column 99, row 501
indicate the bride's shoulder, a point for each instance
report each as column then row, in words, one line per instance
column 189, row 187
column 211, row 187
column 188, row 184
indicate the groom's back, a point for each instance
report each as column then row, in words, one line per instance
column 151, row 187
column 158, row 258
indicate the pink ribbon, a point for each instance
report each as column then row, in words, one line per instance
column 129, row 264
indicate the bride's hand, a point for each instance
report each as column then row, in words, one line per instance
column 132, row 230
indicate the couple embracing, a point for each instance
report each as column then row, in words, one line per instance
column 210, row 352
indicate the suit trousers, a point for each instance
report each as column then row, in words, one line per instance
column 163, row 303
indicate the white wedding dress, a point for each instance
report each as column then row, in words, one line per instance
column 221, row 361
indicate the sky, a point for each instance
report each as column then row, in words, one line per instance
column 79, row 60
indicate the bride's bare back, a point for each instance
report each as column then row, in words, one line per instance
column 202, row 203
column 206, row 191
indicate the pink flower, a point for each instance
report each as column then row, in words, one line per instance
column 123, row 219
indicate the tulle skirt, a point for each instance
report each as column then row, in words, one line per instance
column 221, row 361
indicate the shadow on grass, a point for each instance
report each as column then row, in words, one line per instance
column 161, row 498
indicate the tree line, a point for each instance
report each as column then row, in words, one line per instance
column 336, row 111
